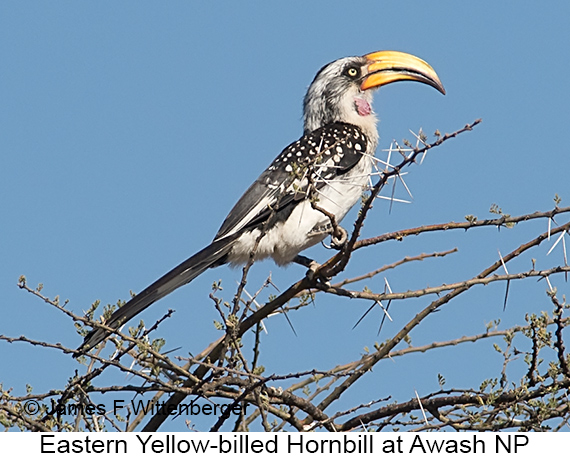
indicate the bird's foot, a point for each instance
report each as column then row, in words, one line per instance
column 312, row 268
column 339, row 238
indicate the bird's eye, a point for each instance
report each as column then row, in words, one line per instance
column 353, row 72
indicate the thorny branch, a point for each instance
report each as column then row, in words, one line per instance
column 221, row 374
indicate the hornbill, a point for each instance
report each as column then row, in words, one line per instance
column 299, row 199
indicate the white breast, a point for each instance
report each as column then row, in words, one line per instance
column 288, row 238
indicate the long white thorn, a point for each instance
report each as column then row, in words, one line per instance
column 257, row 306
column 421, row 407
column 385, row 311
column 405, row 186
column 549, row 285
column 392, row 199
column 564, row 250
column 556, row 242
column 549, row 225
column 503, row 262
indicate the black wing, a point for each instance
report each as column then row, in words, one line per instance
column 314, row 159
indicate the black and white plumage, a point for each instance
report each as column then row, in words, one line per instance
column 324, row 172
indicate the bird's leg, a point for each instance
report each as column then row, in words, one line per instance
column 306, row 262
column 339, row 236
column 312, row 266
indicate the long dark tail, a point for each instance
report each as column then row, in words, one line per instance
column 208, row 257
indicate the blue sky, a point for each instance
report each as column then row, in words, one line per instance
column 116, row 116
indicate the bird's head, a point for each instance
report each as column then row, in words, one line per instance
column 342, row 90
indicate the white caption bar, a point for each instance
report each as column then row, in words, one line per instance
column 281, row 444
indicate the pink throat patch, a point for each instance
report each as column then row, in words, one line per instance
column 362, row 106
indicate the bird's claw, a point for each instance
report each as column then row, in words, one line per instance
column 313, row 267
column 339, row 238
column 312, row 271
column 312, row 274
